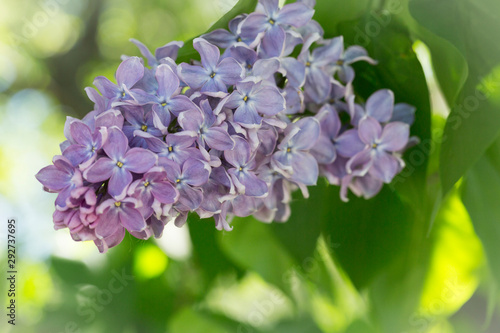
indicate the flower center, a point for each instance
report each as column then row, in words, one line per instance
column 146, row 183
column 340, row 62
column 289, row 150
column 374, row 145
column 240, row 169
column 119, row 164
column 93, row 149
column 178, row 180
column 170, row 149
column 118, row 203
column 212, row 75
column 164, row 104
column 272, row 21
column 245, row 98
column 308, row 64
column 144, row 128
column 239, row 39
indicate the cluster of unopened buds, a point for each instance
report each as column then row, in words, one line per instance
column 231, row 135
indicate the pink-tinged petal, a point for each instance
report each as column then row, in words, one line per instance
column 172, row 168
column 129, row 72
column 273, row 42
column 240, row 155
column 131, row 218
column 380, row 105
column 220, row 37
column 191, row 120
column 230, row 71
column 360, row 163
column 117, row 144
column 100, row 171
column 369, row 130
column 195, row 172
column 305, row 169
column 385, row 166
column 209, row 53
column 168, row 82
column 308, row 134
column 77, row 154
column 165, row 193
column 367, row 186
column 145, row 52
column 194, row 76
column 53, row 178
column 109, row 118
column 218, row 138
column 394, row 136
column 118, row 183
column 107, row 88
column 190, row 197
column 295, row 14
column 349, row 144
column 169, row 50
column 139, row 160
column 109, row 223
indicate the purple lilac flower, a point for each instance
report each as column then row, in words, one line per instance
column 87, row 144
column 225, row 39
column 119, row 214
column 119, row 164
column 214, row 75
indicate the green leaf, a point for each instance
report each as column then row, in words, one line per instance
column 481, row 192
column 187, row 52
column 471, row 26
column 367, row 235
column 253, row 246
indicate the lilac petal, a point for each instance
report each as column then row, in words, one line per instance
column 129, row 72
column 324, row 150
column 270, row 6
column 295, row 14
column 119, row 181
column 240, row 155
column 305, row 169
column 195, row 172
column 359, row 164
column 369, row 130
column 108, row 224
column 131, row 218
column 380, row 105
column 209, row 53
column 107, row 88
column 349, row 144
column 80, row 133
column 218, row 138
column 169, row 50
column 164, row 192
column 254, row 187
column 253, row 25
column 77, row 154
column 109, row 118
column 268, row 101
column 295, row 71
column 308, row 134
column 265, row 68
column 230, row 71
column 117, row 143
column 168, row 82
column 273, row 42
column 139, row 160
column 318, row 85
column 385, row 166
column 357, row 53
column 214, row 85
column 191, row 120
column 330, row 123
column 346, row 74
column 328, row 54
column 404, row 113
column 172, row 168
column 246, row 115
column 194, row 76
column 394, row 136
column 53, row 178
column 100, row 171
column 180, row 103
column 367, row 185
column 220, row 37
column 190, row 197
column 235, row 23
column 145, row 52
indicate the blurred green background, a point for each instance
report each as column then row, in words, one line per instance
column 408, row 260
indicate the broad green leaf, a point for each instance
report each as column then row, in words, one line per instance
column 471, row 26
column 481, row 192
column 187, row 52
column 253, row 246
column 190, row 320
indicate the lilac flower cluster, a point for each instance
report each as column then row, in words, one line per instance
column 231, row 135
